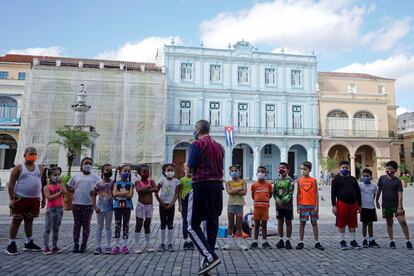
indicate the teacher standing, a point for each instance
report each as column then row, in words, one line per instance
column 205, row 200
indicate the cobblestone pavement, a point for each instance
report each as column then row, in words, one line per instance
column 332, row 261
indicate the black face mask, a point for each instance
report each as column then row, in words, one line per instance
column 108, row 174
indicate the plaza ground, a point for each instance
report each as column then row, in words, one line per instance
column 332, row 261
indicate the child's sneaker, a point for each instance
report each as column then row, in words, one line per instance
column 365, row 243
column 191, row 245
column 97, row 251
column 185, row 246
column 115, row 251
column 47, row 251
column 138, row 251
column 11, row 249
column 374, row 244
column 31, row 246
column 108, row 251
column 300, row 246
column 409, row 245
column 342, row 245
column 288, row 245
column 226, row 246
column 392, row 245
column 243, row 247
column 57, row 250
column 319, row 246
column 161, row 248
column 280, row 244
column 75, row 248
column 171, row 248
column 254, row 245
column 125, row 249
column 149, row 249
column 266, row 245
column 83, row 248
column 355, row 245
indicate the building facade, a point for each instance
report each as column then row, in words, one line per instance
column 405, row 124
column 12, row 85
column 358, row 120
column 269, row 99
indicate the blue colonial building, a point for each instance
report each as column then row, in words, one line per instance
column 269, row 99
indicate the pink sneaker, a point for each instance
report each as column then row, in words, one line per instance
column 57, row 250
column 125, row 249
column 47, row 251
column 115, row 251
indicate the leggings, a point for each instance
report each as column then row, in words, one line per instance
column 167, row 217
column 184, row 206
column 53, row 218
column 82, row 215
column 122, row 216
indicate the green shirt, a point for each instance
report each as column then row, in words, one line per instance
column 283, row 191
column 186, row 185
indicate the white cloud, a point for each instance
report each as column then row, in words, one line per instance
column 48, row 51
column 142, row 51
column 402, row 110
column 399, row 67
column 302, row 25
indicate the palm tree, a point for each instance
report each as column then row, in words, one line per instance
column 72, row 139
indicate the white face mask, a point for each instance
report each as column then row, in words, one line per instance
column 261, row 175
column 169, row 174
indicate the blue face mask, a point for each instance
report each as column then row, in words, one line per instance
column 366, row 179
column 234, row 174
column 344, row 172
column 125, row 175
column 195, row 134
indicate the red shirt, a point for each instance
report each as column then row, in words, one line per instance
column 261, row 192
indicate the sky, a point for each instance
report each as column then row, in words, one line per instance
column 367, row 36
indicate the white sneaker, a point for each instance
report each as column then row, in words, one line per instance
column 243, row 247
column 216, row 247
column 138, row 251
column 226, row 246
column 149, row 248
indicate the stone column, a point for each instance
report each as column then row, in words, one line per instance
column 352, row 165
column 169, row 150
column 284, row 152
column 228, row 154
column 256, row 160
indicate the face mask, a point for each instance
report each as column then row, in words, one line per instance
column 86, row 168
column 261, row 176
column 144, row 175
column 390, row 173
column 366, row 179
column 282, row 171
column 195, row 135
column 234, row 174
column 304, row 172
column 31, row 157
column 344, row 172
column 55, row 179
column 108, row 174
column 169, row 174
column 125, row 175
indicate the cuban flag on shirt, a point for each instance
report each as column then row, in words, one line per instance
column 229, row 135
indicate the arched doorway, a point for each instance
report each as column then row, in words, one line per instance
column 365, row 158
column 180, row 154
column 296, row 155
column 243, row 155
column 335, row 155
column 8, row 148
column 270, row 158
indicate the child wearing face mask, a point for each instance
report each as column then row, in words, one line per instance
column 53, row 192
column 168, row 189
column 346, row 204
column 236, row 188
column 368, row 212
column 123, row 191
column 283, row 189
column 391, row 189
column 82, row 185
column 103, row 208
column 308, row 204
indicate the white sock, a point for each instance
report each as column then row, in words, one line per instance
column 98, row 238
column 28, row 239
column 229, row 239
column 162, row 236
column 10, row 241
column 352, row 235
column 136, row 238
column 186, row 240
column 124, row 242
column 342, row 236
column 170, row 236
column 117, row 242
column 108, row 238
column 287, row 239
column 147, row 238
column 316, row 241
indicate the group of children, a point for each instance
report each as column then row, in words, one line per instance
column 110, row 196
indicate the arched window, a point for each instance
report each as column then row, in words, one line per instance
column 8, row 107
column 337, row 114
column 364, row 115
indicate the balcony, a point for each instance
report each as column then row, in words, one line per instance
column 345, row 133
column 251, row 130
column 9, row 121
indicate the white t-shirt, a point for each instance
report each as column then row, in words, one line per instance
column 368, row 192
column 168, row 189
column 83, row 186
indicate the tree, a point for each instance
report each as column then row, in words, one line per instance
column 72, row 139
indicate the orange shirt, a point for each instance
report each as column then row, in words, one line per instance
column 308, row 191
column 261, row 192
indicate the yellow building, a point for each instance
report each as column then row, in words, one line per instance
column 12, row 84
column 358, row 120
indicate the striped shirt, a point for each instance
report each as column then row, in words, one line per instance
column 206, row 159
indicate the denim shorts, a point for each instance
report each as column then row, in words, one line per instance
column 235, row 209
